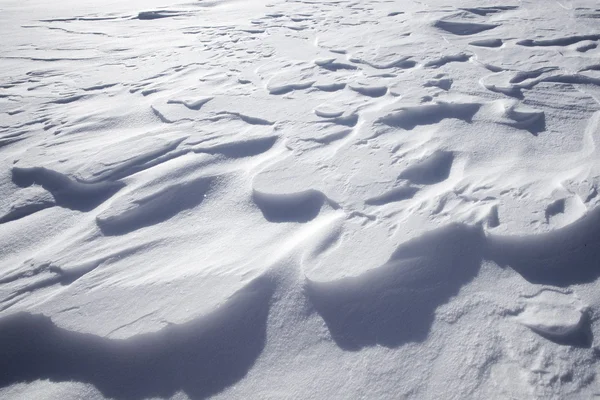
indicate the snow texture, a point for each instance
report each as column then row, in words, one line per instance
column 299, row 199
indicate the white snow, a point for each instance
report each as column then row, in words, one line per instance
column 298, row 199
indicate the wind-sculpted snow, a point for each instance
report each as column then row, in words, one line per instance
column 489, row 10
column 135, row 213
column 67, row 192
column 395, row 303
column 199, row 357
column 487, row 43
column 560, row 258
column 565, row 41
column 397, row 194
column 448, row 59
column 244, row 148
column 463, row 28
column 432, row 169
column 299, row 199
column 558, row 318
column 291, row 207
column 410, row 117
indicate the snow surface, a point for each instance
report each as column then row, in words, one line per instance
column 271, row 199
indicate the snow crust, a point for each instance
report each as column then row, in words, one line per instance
column 298, row 199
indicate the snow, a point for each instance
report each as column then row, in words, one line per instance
column 299, row 199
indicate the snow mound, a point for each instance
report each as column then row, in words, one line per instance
column 557, row 317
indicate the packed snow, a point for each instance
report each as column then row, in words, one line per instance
column 299, row 199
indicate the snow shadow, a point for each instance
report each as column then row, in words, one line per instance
column 581, row 337
column 395, row 303
column 431, row 170
column 67, row 192
column 201, row 357
column 409, row 118
column 155, row 208
column 291, row 207
column 563, row 257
